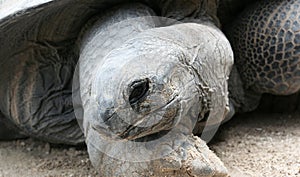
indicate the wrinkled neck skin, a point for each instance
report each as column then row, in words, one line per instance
column 141, row 81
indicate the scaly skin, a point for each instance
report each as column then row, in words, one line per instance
column 183, row 83
column 267, row 56
column 265, row 39
column 40, row 57
column 138, row 80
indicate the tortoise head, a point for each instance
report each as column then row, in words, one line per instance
column 151, row 85
column 146, row 86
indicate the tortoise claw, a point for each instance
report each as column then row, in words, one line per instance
column 192, row 159
column 190, row 156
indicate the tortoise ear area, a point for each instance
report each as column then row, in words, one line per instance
column 138, row 91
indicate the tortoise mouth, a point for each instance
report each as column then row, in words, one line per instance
column 156, row 130
column 144, row 128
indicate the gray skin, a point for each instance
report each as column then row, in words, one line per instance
column 265, row 40
column 44, row 43
column 179, row 71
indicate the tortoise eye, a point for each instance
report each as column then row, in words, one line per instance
column 138, row 91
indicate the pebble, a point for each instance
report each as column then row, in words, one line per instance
column 258, row 129
column 47, row 148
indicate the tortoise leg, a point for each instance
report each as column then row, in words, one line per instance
column 8, row 131
column 37, row 92
column 266, row 42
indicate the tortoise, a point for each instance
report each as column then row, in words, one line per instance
column 136, row 80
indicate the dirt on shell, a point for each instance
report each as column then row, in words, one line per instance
column 253, row 144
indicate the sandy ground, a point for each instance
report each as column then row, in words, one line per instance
column 260, row 145
column 249, row 145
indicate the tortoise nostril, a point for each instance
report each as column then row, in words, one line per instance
column 138, row 91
